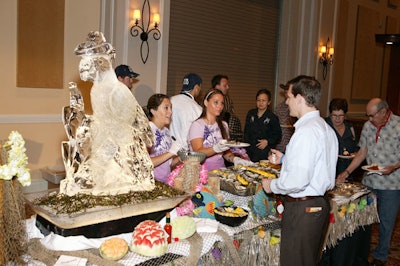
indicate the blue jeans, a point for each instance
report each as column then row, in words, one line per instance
column 388, row 206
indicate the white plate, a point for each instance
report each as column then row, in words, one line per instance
column 346, row 156
column 238, row 145
column 366, row 168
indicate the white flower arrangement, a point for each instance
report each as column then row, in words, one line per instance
column 17, row 160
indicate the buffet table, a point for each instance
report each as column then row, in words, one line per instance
column 216, row 243
column 349, row 234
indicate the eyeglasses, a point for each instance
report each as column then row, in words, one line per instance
column 373, row 115
column 337, row 116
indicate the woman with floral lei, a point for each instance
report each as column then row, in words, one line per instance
column 209, row 134
column 163, row 152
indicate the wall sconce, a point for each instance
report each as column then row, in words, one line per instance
column 144, row 30
column 326, row 57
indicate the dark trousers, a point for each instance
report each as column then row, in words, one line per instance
column 352, row 250
column 304, row 225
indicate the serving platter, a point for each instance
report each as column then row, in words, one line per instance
column 99, row 214
column 347, row 190
column 243, row 180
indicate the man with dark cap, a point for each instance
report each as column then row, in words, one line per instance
column 185, row 109
column 126, row 75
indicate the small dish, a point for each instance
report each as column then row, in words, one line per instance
column 372, row 168
column 238, row 144
column 351, row 156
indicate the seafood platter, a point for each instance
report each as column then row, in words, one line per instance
column 243, row 180
column 348, row 190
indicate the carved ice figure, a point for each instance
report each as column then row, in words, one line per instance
column 106, row 152
column 77, row 149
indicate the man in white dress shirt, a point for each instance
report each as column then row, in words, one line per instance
column 185, row 109
column 308, row 171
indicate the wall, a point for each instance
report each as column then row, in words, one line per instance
column 116, row 20
column 305, row 25
column 361, row 67
column 36, row 112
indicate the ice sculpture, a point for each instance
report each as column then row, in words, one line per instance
column 106, row 152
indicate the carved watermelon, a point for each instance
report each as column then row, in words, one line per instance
column 149, row 239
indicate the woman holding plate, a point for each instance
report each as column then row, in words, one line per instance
column 344, row 132
column 209, row 134
column 262, row 129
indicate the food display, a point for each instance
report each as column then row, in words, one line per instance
column 149, row 239
column 183, row 227
column 346, row 190
column 243, row 180
column 114, row 248
column 232, row 215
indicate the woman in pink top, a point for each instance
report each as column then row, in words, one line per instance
column 209, row 134
column 163, row 153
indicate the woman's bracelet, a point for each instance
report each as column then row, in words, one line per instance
column 347, row 171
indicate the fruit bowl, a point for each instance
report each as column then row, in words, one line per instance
column 232, row 215
column 192, row 156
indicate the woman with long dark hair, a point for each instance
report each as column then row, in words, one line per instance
column 209, row 134
column 163, row 152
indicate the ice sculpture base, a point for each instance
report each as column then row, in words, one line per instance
column 100, row 214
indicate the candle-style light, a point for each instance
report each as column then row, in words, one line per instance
column 326, row 57
column 156, row 19
column 145, row 30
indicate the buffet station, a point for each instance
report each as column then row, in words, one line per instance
column 219, row 217
column 244, row 229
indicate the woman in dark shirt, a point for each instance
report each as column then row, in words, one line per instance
column 262, row 129
column 344, row 132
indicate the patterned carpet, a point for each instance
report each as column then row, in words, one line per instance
column 394, row 255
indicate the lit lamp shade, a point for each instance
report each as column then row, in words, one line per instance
column 323, row 49
column 156, row 19
column 331, row 51
column 136, row 14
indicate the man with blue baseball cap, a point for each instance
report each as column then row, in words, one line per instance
column 185, row 109
column 126, row 75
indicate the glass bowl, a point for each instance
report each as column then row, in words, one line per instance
column 192, row 156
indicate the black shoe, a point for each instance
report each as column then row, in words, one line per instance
column 376, row 262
